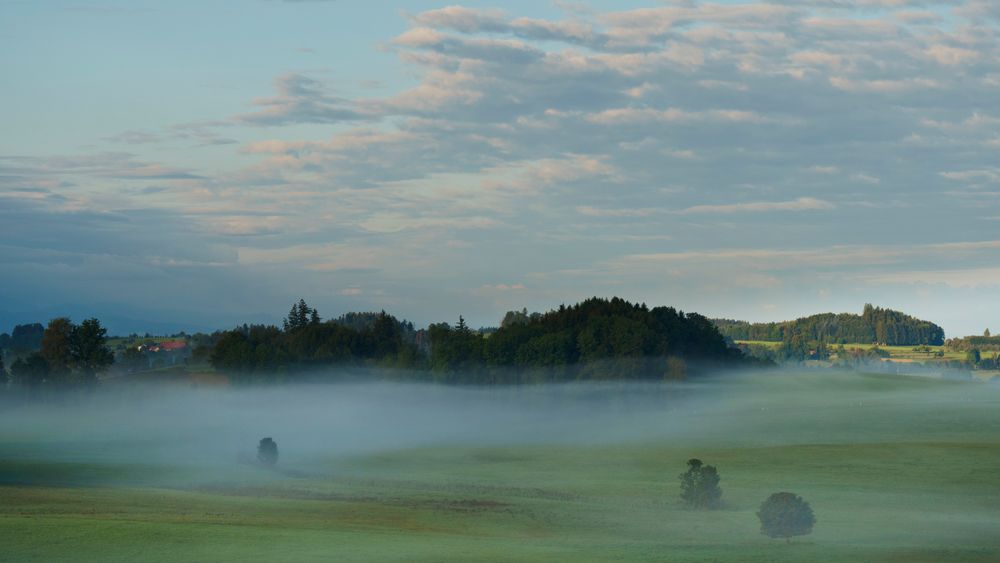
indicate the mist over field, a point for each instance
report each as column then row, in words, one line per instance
column 570, row 280
column 213, row 429
column 895, row 468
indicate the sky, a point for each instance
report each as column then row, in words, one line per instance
column 198, row 164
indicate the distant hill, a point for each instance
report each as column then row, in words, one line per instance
column 874, row 324
column 595, row 339
column 598, row 331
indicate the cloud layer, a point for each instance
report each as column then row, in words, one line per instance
column 535, row 160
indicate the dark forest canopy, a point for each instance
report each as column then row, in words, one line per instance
column 873, row 325
column 595, row 339
column 24, row 338
column 67, row 355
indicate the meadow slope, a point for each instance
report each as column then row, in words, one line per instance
column 896, row 469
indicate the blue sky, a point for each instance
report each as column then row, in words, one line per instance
column 210, row 162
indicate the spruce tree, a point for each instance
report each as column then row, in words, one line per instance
column 290, row 321
column 302, row 314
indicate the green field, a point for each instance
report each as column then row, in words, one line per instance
column 896, row 469
column 896, row 353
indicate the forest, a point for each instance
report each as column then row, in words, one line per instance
column 981, row 343
column 874, row 325
column 594, row 339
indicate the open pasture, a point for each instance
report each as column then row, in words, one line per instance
column 896, row 469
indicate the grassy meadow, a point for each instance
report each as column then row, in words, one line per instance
column 923, row 354
column 895, row 468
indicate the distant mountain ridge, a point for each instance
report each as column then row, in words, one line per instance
column 874, row 324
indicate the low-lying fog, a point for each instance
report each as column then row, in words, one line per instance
column 211, row 428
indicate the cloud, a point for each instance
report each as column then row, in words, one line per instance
column 121, row 165
column 800, row 204
column 963, row 278
column 471, row 21
column 972, row 176
column 300, row 99
column 519, row 147
column 884, row 86
column 824, row 169
column 627, row 115
column 503, row 287
column 598, row 212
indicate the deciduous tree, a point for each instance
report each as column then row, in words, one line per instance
column 57, row 347
column 267, row 452
column 700, row 485
column 89, row 349
column 784, row 515
column 30, row 372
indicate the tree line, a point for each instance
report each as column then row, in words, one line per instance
column 23, row 339
column 873, row 325
column 981, row 352
column 982, row 343
column 594, row 339
column 266, row 353
column 60, row 356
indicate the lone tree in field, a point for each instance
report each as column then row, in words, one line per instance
column 267, row 452
column 784, row 515
column 700, row 485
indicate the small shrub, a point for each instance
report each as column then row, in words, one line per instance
column 267, row 452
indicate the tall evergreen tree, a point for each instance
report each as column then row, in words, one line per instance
column 300, row 316
column 289, row 323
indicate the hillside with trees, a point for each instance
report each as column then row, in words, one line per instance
column 873, row 325
column 986, row 342
column 267, row 353
column 595, row 339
